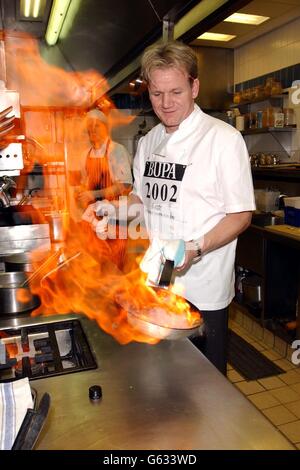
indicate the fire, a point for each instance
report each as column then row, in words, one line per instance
column 23, row 295
column 11, row 347
column 96, row 277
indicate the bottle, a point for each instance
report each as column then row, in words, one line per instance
column 288, row 116
column 259, row 119
column 279, row 119
column 230, row 117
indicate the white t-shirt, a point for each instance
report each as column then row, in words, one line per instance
column 188, row 181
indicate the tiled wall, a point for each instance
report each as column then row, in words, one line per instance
column 272, row 51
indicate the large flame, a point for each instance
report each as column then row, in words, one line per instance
column 84, row 274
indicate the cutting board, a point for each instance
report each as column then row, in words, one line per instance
column 285, row 230
column 282, row 166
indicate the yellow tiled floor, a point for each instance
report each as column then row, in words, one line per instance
column 277, row 397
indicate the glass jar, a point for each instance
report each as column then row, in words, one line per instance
column 259, row 119
column 269, row 85
column 252, row 120
column 276, row 88
column 268, row 117
column 258, row 92
column 237, row 97
column 279, row 119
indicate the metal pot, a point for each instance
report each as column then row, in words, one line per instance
column 26, row 262
column 252, row 286
column 13, row 297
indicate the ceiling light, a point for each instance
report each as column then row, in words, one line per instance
column 57, row 16
column 246, row 19
column 216, row 37
column 32, row 10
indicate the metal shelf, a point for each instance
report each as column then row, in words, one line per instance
column 265, row 130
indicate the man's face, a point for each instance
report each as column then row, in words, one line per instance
column 172, row 95
column 97, row 131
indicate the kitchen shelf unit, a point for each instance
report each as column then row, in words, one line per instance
column 261, row 100
column 265, row 130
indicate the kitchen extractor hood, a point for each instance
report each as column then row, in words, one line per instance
column 215, row 72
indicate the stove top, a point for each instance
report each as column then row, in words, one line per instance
column 44, row 350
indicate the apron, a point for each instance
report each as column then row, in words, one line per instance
column 98, row 175
column 97, row 169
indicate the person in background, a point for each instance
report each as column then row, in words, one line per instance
column 107, row 173
column 193, row 178
column 107, row 176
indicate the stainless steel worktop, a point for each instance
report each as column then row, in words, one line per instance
column 166, row 396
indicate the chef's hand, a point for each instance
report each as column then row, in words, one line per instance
column 85, row 197
column 189, row 256
column 174, row 250
column 191, row 253
column 101, row 209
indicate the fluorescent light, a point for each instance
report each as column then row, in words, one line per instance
column 36, row 8
column 246, row 19
column 25, row 7
column 57, row 16
column 32, row 9
column 216, row 37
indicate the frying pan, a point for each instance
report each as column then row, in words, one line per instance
column 143, row 322
column 159, row 331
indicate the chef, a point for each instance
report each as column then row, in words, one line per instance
column 107, row 172
column 193, row 177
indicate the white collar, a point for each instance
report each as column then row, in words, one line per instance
column 187, row 122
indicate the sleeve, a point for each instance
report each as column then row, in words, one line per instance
column 120, row 161
column 234, row 176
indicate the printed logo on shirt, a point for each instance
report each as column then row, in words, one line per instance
column 165, row 170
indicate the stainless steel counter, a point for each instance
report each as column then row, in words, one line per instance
column 166, row 396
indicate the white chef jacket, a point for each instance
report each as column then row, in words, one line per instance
column 188, row 181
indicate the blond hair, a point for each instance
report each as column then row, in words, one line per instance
column 169, row 54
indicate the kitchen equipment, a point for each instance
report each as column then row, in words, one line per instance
column 161, row 319
column 160, row 259
column 252, row 286
column 56, row 224
column 26, row 261
column 32, row 425
column 14, row 296
column 11, row 156
column 5, row 184
column 155, row 330
column 22, row 236
column 266, row 200
column 44, row 350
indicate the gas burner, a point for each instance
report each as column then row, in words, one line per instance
column 44, row 350
column 27, row 367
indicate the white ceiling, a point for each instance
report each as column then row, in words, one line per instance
column 279, row 11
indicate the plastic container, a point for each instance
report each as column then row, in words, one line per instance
column 240, row 123
column 292, row 211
